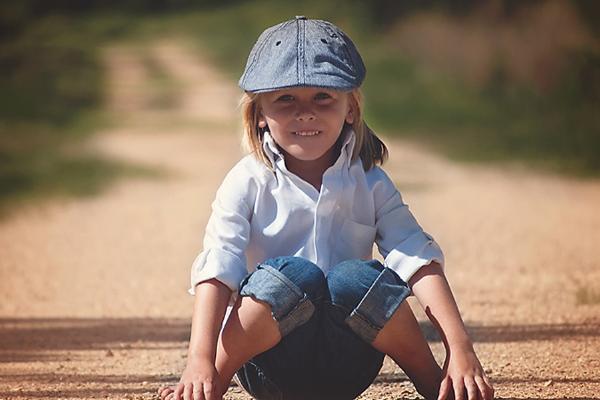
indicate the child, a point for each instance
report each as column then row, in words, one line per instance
column 287, row 297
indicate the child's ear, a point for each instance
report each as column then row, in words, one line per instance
column 262, row 121
column 350, row 117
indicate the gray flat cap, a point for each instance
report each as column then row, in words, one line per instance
column 303, row 52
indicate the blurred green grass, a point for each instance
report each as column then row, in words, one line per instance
column 502, row 121
column 53, row 87
column 163, row 88
column 52, row 92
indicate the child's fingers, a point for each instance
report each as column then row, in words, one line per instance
column 444, row 389
column 211, row 391
column 459, row 389
column 162, row 388
column 485, row 388
column 188, row 392
column 165, row 390
column 198, row 391
column 207, row 391
column 489, row 385
column 178, row 391
column 472, row 389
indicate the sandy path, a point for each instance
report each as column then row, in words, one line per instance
column 94, row 301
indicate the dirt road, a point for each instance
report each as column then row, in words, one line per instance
column 94, row 301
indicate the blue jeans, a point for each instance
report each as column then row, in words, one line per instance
column 327, row 326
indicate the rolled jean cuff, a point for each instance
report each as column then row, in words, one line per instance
column 290, row 306
column 378, row 305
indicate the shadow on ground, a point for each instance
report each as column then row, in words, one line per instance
column 21, row 338
column 32, row 340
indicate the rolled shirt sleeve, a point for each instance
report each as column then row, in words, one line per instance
column 400, row 239
column 227, row 234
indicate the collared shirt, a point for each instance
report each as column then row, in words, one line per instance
column 260, row 213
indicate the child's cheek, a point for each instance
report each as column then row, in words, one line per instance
column 282, row 113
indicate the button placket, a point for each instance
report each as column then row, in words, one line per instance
column 324, row 212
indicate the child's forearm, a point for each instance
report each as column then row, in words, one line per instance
column 431, row 288
column 210, row 304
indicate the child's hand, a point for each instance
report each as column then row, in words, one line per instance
column 199, row 381
column 464, row 375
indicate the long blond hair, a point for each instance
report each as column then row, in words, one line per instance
column 371, row 150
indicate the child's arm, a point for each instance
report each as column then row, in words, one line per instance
column 210, row 303
column 462, row 369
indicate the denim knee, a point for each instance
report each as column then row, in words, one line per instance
column 369, row 293
column 290, row 285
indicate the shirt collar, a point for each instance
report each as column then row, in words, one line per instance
column 276, row 157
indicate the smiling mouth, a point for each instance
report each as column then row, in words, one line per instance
column 307, row 133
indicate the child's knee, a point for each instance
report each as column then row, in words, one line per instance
column 350, row 281
column 368, row 292
column 303, row 273
column 290, row 285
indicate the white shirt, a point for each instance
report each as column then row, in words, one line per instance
column 259, row 214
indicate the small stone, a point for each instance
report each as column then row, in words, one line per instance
column 488, row 370
column 109, row 353
column 548, row 383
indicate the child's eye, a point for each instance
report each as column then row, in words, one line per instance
column 322, row 96
column 285, row 97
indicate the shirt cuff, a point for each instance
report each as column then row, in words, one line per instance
column 418, row 250
column 219, row 264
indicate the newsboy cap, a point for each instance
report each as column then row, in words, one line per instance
column 303, row 52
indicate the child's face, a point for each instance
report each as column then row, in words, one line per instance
column 305, row 121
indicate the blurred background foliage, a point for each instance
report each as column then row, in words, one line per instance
column 514, row 80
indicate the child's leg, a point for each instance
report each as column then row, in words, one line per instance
column 276, row 299
column 250, row 330
column 402, row 339
column 374, row 297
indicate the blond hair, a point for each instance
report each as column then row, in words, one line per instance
column 371, row 150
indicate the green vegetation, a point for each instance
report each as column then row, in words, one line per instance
column 52, row 85
column 28, row 177
column 52, row 90
column 556, row 129
column 163, row 88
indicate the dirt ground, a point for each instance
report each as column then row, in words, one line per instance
column 93, row 291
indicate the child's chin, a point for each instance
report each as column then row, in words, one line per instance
column 307, row 156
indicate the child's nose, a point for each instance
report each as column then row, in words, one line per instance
column 305, row 114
